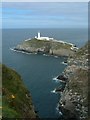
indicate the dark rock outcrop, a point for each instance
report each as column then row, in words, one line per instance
column 62, row 77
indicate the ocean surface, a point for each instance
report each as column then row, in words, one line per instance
column 38, row 71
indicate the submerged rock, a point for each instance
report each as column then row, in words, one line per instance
column 62, row 77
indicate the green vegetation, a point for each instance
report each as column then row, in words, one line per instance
column 36, row 43
column 17, row 102
column 42, row 43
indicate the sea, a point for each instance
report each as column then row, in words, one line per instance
column 38, row 71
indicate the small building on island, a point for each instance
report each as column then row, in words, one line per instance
column 42, row 38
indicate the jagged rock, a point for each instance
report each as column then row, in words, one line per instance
column 62, row 77
column 76, row 90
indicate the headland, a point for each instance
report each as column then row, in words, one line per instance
column 46, row 45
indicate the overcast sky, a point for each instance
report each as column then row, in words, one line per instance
column 44, row 15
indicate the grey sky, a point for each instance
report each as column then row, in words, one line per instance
column 57, row 15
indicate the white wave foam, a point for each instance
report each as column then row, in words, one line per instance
column 19, row 51
column 35, row 53
column 45, row 55
column 56, row 56
column 53, row 91
column 58, row 110
column 64, row 63
column 11, row 48
column 55, row 79
column 14, row 50
column 60, row 113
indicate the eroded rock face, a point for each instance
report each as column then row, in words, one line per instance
column 62, row 77
column 74, row 99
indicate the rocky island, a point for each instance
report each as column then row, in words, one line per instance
column 46, row 45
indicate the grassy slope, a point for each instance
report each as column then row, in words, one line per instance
column 42, row 43
column 21, row 106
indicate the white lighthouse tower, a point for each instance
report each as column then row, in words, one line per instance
column 38, row 35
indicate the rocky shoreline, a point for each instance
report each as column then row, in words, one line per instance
column 73, row 103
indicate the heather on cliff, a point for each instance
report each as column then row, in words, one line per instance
column 16, row 99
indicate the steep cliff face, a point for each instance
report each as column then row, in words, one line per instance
column 16, row 99
column 74, row 99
